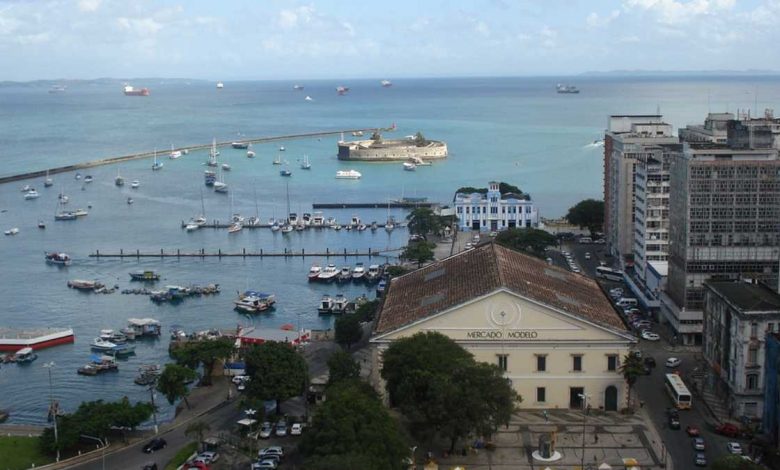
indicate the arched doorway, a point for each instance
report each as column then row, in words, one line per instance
column 611, row 398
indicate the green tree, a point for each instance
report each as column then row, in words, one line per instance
column 421, row 252
column 395, row 271
column 442, row 390
column 367, row 310
column 420, row 140
column 278, row 372
column 734, row 462
column 342, row 367
column 632, row 368
column 198, row 429
column 353, row 430
column 530, row 240
column 423, row 221
column 588, row 213
column 206, row 353
column 505, row 188
column 173, row 382
column 348, row 330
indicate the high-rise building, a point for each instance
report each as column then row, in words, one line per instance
column 627, row 140
column 714, row 130
column 724, row 224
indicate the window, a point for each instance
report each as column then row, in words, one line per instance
column 751, row 382
column 754, row 330
column 541, row 363
column 612, row 362
column 502, row 362
column 576, row 363
column 541, row 394
column 752, row 356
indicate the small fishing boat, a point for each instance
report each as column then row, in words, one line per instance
column 31, row 194
column 359, row 272
column 328, row 273
column 41, row 224
column 348, row 175
column 326, row 305
column 61, row 259
column 12, row 231
column 135, row 184
column 100, row 344
column 345, row 275
column 144, row 276
column 98, row 365
column 25, row 356
column 314, row 272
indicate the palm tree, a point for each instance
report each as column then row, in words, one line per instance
column 197, row 428
column 173, row 382
column 631, row 369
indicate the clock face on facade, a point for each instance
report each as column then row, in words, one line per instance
column 504, row 314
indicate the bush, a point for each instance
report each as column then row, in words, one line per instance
column 181, row 456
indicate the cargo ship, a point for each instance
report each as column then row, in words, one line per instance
column 376, row 149
column 130, row 91
column 13, row 339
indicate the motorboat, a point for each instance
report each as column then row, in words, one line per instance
column 326, row 304
column 380, row 289
column 355, row 221
column 253, row 221
column 220, row 85
column 337, row 227
column 115, row 337
column 130, row 200
column 191, row 226
column 25, row 355
column 82, row 284
column 220, row 187
column 145, row 276
column 345, row 275
column 306, row 164
column 298, row 87
column 77, row 176
column 65, row 215
column 235, row 227
column 292, row 218
column 135, row 184
column 373, row 274
column 361, row 227
column 306, row 218
column 318, row 220
column 61, row 259
column 408, row 166
column 386, row 83
column 210, row 177
column 41, row 224
column 358, row 272
column 240, row 145
column 174, row 153
column 250, row 154
column 275, row 226
column 31, row 194
column 328, row 273
column 121, row 350
column 286, row 228
column 300, row 227
column 285, row 172
column 339, row 304
column 81, row 212
column 314, row 272
column 88, row 179
column 348, row 174
column 226, row 167
column 12, row 231
column 27, row 188
column 254, row 302
column 281, row 148
column 98, row 365
column 331, row 222
column 100, row 344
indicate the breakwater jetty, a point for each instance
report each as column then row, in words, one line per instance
column 202, row 253
column 150, row 154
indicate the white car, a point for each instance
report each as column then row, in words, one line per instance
column 734, row 448
column 469, row 246
column 207, row 457
column 673, row 362
column 275, row 450
column 650, row 336
column 587, row 255
column 239, row 379
column 296, row 429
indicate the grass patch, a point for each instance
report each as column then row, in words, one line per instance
column 181, row 456
column 20, row 452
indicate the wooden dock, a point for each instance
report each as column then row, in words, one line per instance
column 371, row 205
column 150, row 154
column 202, row 253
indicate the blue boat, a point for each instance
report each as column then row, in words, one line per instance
column 285, row 172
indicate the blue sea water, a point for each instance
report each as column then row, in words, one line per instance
column 511, row 129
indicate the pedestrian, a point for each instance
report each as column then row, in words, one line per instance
column 595, row 438
column 546, row 419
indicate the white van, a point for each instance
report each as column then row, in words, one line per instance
column 626, row 302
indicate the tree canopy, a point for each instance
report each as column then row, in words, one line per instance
column 423, row 221
column 587, row 214
column 530, row 240
column 173, row 382
column 503, row 188
column 353, row 430
column 443, row 391
column 206, row 353
column 348, row 330
column 421, row 252
column 94, row 418
column 734, row 462
column 278, row 372
column 342, row 367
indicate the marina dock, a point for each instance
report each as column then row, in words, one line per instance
column 216, row 224
column 372, row 205
column 328, row 253
column 150, row 154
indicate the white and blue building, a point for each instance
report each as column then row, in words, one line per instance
column 493, row 212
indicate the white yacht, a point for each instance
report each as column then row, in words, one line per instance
column 359, row 272
column 226, row 167
column 328, row 273
column 174, row 153
column 348, row 175
column 409, row 166
column 326, row 304
column 31, row 194
column 355, row 221
column 318, row 220
column 135, row 184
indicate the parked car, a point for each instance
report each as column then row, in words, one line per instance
column 281, row 428
column 264, row 465
column 728, row 429
column 698, row 443
column 155, row 444
column 239, row 378
column 469, row 246
column 674, row 422
column 587, row 255
column 673, row 362
column 149, row 466
column 196, row 465
column 207, row 457
column 296, row 429
column 650, row 336
column 700, row 460
column 275, row 450
column 734, row 448
column 692, row 430
column 266, row 429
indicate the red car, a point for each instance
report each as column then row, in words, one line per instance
column 728, row 429
column 692, row 431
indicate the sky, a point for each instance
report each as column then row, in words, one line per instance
column 277, row 39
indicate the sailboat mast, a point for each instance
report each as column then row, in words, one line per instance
column 288, row 200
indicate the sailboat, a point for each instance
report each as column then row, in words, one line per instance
column 219, row 185
column 48, row 182
column 197, row 222
column 390, row 224
column 213, row 153
column 255, row 220
column 60, row 213
column 119, row 181
column 174, row 153
column 156, row 165
column 306, row 164
column 237, row 225
column 277, row 160
column 287, row 227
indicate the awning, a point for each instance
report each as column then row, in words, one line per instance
column 605, row 466
column 247, row 422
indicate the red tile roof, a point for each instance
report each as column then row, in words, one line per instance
column 485, row 269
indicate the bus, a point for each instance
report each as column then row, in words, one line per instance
column 678, row 391
column 609, row 273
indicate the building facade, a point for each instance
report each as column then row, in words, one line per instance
column 493, row 211
column 554, row 333
column 714, row 130
column 770, row 421
column 737, row 317
column 724, row 209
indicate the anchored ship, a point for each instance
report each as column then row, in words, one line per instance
column 130, row 91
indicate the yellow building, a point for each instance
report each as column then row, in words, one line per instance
column 554, row 332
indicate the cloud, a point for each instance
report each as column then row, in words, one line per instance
column 139, row 26
column 628, row 39
column 595, row 21
column 482, row 28
column 548, row 37
column 89, row 5
column 291, row 18
column 32, row 39
column 676, row 12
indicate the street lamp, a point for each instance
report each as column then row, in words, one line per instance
column 250, row 413
column 584, row 397
column 52, row 409
column 103, row 444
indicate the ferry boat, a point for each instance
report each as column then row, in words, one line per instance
column 146, row 276
column 348, row 174
column 328, row 273
column 566, row 89
column 58, row 258
column 326, row 304
column 12, row 339
column 386, row 83
column 130, row 91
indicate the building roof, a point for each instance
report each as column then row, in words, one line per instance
column 745, row 296
column 483, row 270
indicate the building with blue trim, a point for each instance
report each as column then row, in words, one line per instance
column 493, row 211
